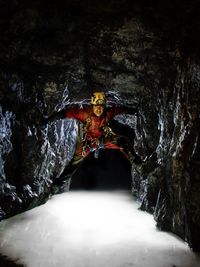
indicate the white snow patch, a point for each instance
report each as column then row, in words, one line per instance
column 91, row 229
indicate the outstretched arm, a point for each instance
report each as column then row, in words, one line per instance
column 113, row 111
column 56, row 116
column 70, row 112
column 77, row 113
column 130, row 110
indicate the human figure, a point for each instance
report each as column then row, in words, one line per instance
column 96, row 135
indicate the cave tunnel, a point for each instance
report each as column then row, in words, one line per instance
column 111, row 171
column 143, row 55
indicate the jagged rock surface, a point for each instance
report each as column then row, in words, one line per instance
column 141, row 55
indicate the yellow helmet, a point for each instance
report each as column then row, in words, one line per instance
column 98, row 98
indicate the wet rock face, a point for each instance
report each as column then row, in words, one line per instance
column 178, row 202
column 140, row 55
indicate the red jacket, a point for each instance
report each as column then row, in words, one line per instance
column 96, row 123
column 94, row 130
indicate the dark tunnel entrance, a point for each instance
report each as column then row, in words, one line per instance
column 111, row 171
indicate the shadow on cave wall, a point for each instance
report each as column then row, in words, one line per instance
column 111, row 171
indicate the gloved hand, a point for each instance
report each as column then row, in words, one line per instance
column 131, row 110
column 57, row 116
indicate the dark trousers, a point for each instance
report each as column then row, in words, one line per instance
column 63, row 183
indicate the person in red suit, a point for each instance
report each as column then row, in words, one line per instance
column 95, row 133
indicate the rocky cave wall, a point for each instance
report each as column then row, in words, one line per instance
column 141, row 54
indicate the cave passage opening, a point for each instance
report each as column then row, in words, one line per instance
column 110, row 171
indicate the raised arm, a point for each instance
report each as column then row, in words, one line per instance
column 56, row 116
column 77, row 113
column 70, row 112
column 113, row 111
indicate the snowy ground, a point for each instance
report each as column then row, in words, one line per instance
column 91, row 229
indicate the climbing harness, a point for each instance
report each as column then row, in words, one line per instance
column 107, row 140
column 97, row 150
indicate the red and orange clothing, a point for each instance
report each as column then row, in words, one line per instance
column 94, row 127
